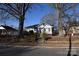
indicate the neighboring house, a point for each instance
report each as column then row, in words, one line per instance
column 40, row 28
column 45, row 28
column 75, row 29
column 7, row 30
column 33, row 28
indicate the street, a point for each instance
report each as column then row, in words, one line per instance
column 36, row 51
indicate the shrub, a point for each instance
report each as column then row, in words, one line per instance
column 31, row 32
column 44, row 37
column 30, row 38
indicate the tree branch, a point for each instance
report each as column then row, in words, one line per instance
column 10, row 9
column 13, row 8
column 70, row 7
column 9, row 12
column 27, row 6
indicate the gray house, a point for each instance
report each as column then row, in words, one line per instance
column 7, row 30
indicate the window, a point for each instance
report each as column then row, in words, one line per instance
column 49, row 29
column 44, row 30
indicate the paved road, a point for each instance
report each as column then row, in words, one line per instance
column 35, row 51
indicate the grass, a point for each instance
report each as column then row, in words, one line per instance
column 30, row 40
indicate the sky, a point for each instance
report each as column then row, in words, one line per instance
column 34, row 15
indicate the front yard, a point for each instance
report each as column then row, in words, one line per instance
column 54, row 41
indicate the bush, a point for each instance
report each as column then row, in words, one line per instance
column 44, row 37
column 30, row 38
column 25, row 33
column 31, row 32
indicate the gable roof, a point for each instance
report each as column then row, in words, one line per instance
column 44, row 25
column 1, row 28
column 8, row 28
column 32, row 26
column 37, row 25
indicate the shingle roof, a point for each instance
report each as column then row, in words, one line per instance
column 33, row 26
column 36, row 25
column 8, row 28
column 1, row 28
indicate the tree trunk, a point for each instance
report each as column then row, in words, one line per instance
column 21, row 24
column 59, row 12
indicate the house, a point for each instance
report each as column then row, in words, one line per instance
column 32, row 28
column 45, row 28
column 75, row 29
column 40, row 28
column 7, row 30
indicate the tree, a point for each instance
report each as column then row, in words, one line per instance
column 48, row 19
column 61, row 10
column 62, row 13
column 3, row 16
column 17, row 10
column 71, row 23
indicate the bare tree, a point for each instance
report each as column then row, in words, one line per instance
column 71, row 23
column 3, row 16
column 60, row 10
column 62, row 13
column 17, row 10
column 48, row 19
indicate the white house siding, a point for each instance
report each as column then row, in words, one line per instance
column 47, row 28
column 41, row 28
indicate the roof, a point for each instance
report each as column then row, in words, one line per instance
column 33, row 26
column 1, row 28
column 45, row 24
column 8, row 28
column 37, row 25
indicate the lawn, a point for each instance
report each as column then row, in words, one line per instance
column 54, row 41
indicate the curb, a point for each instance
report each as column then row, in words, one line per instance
column 44, row 47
